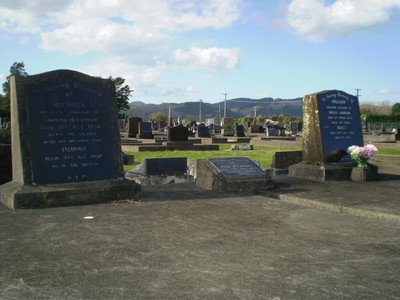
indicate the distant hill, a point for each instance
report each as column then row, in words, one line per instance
column 236, row 108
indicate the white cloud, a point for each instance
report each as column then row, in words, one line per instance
column 387, row 91
column 134, row 74
column 315, row 20
column 126, row 34
column 192, row 89
column 120, row 26
column 200, row 58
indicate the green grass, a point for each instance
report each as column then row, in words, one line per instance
column 263, row 154
column 388, row 151
column 259, row 153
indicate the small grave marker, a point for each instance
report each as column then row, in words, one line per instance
column 231, row 174
column 174, row 166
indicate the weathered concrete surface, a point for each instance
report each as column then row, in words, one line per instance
column 181, row 242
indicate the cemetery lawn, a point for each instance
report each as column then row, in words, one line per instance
column 388, row 151
column 262, row 154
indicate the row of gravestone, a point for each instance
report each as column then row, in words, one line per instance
column 66, row 145
column 136, row 128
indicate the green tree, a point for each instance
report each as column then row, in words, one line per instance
column 17, row 69
column 159, row 117
column 396, row 109
column 123, row 92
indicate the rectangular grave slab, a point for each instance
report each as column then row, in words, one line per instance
column 231, row 174
column 174, row 166
column 64, row 131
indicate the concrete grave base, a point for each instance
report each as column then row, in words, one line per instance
column 15, row 195
column 368, row 173
column 248, row 176
column 326, row 172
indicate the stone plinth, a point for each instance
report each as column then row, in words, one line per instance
column 327, row 172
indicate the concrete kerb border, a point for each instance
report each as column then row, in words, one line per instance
column 331, row 207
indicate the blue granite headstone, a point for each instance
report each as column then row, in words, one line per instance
column 70, row 133
column 331, row 124
column 145, row 130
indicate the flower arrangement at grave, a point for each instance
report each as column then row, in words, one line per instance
column 362, row 154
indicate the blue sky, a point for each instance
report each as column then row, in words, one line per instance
column 178, row 51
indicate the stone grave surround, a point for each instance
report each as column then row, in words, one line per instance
column 331, row 124
column 66, row 146
column 231, row 174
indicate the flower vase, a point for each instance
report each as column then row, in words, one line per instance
column 362, row 164
column 359, row 174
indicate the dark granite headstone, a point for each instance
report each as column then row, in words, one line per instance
column 178, row 134
column 217, row 129
column 202, row 131
column 133, row 126
column 239, row 131
column 145, row 131
column 174, row 166
column 231, row 174
column 64, row 131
